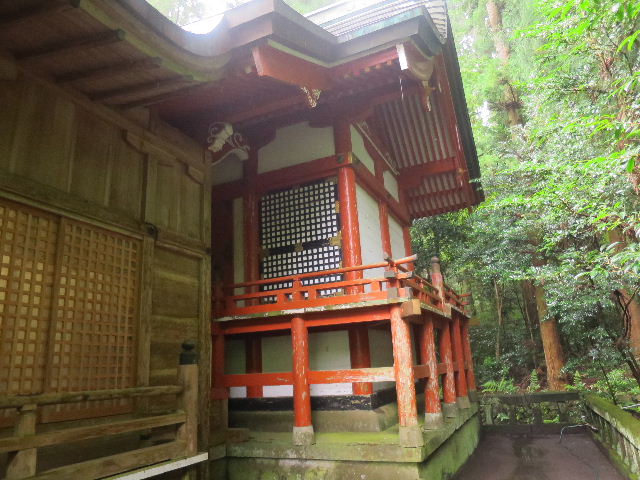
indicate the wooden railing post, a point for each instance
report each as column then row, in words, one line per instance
column 360, row 356
column 253, row 362
column 432, row 410
column 188, row 398
column 461, row 378
column 410, row 433
column 450, row 406
column 22, row 464
column 302, row 426
column 468, row 358
column 218, row 390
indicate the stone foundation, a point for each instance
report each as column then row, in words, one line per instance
column 353, row 455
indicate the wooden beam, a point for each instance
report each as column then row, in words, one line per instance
column 411, row 177
column 8, row 67
column 289, row 68
column 68, row 47
column 44, row 10
column 108, row 70
column 105, row 466
column 68, row 435
column 145, row 89
column 353, row 375
column 258, row 379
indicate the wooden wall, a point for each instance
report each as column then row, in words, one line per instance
column 132, row 175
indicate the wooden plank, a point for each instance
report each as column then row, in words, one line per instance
column 68, row 435
column 72, row 397
column 354, row 375
column 69, row 47
column 37, row 12
column 421, row 371
column 114, row 464
column 24, row 463
column 142, row 89
column 108, row 70
column 164, row 467
column 258, row 379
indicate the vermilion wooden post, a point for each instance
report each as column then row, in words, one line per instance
column 406, row 235
column 385, row 235
column 253, row 362
column 450, row 407
column 360, row 356
column 410, row 434
column 468, row 357
column 218, row 391
column 432, row 409
column 458, row 353
column 302, row 426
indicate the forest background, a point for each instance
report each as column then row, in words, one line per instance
column 552, row 256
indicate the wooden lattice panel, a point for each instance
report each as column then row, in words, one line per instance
column 94, row 327
column 68, row 310
column 27, row 268
column 298, row 229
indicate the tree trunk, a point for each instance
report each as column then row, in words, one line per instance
column 511, row 99
column 631, row 316
column 550, row 334
column 499, row 302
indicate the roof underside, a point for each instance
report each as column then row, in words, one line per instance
column 124, row 54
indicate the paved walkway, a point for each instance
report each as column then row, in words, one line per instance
column 501, row 457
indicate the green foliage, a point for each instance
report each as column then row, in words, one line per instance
column 561, row 209
column 617, row 381
column 503, row 385
column 534, row 382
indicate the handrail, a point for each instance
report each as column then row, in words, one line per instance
column 323, row 273
column 18, row 401
column 26, row 440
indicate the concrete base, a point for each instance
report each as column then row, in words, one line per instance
column 450, row 410
column 463, row 403
column 433, row 421
column 303, row 435
column 411, row 436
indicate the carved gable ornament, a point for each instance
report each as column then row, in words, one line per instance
column 223, row 141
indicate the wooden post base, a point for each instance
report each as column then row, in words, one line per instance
column 450, row 410
column 411, row 436
column 463, row 402
column 304, row 435
column 433, row 421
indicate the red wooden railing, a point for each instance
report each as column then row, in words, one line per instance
column 253, row 301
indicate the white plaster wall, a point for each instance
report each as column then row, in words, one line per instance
column 228, row 170
column 360, row 151
column 296, row 144
column 370, row 238
column 234, row 362
column 391, row 184
column 276, row 357
column 397, row 238
column 327, row 351
column 330, row 351
column 381, row 353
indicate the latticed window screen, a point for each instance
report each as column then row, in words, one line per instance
column 299, row 229
column 68, row 308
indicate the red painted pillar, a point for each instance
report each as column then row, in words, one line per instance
column 458, row 353
column 253, row 362
column 360, row 356
column 468, row 357
column 410, row 433
column 218, row 391
column 450, row 407
column 385, row 235
column 406, row 236
column 302, row 426
column 432, row 408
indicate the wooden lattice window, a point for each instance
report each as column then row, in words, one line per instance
column 299, row 230
column 68, row 309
